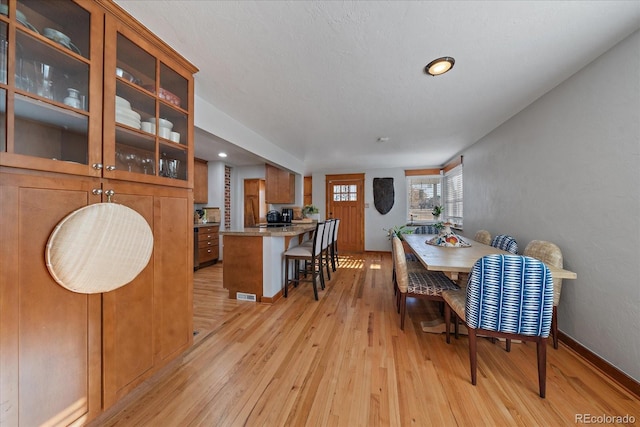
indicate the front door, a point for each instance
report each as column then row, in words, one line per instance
column 345, row 200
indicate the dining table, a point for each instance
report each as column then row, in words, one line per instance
column 456, row 260
column 456, row 263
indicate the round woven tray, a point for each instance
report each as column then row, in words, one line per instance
column 99, row 248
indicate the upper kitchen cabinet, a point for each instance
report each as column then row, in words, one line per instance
column 279, row 185
column 50, row 62
column 148, row 109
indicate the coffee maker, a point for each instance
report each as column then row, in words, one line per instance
column 287, row 215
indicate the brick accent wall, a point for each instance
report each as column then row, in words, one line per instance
column 227, row 197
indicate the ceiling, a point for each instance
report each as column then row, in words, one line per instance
column 324, row 80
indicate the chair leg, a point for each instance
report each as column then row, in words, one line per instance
column 286, row 276
column 455, row 326
column 447, row 322
column 313, row 282
column 554, row 327
column 319, row 260
column 473, row 361
column 508, row 345
column 327, row 263
column 403, row 309
column 541, row 346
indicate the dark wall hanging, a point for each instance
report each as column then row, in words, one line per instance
column 383, row 194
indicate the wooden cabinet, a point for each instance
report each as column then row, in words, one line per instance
column 149, row 321
column 200, row 182
column 63, row 140
column 255, row 206
column 49, row 337
column 308, row 191
column 208, row 244
column 279, row 185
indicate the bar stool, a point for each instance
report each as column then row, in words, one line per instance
column 312, row 257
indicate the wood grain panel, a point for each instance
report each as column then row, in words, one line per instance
column 242, row 264
column 48, row 332
column 128, row 319
column 173, row 277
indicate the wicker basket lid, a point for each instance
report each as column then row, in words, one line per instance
column 99, row 248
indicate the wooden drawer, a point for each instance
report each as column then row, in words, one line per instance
column 208, row 243
column 208, row 230
column 207, row 254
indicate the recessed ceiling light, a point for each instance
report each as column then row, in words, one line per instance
column 383, row 139
column 439, row 66
column 222, row 154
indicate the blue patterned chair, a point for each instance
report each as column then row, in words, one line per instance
column 417, row 283
column 425, row 229
column 506, row 243
column 510, row 297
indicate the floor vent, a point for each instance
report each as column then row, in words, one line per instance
column 245, row 297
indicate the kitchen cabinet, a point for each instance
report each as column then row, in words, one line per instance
column 50, row 349
column 208, row 244
column 279, row 185
column 65, row 356
column 149, row 321
column 255, row 206
column 308, row 191
column 200, row 182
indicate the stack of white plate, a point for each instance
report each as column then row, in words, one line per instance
column 125, row 115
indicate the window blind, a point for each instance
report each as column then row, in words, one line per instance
column 453, row 193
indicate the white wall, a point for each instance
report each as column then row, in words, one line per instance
column 567, row 169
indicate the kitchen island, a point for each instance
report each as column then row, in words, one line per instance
column 253, row 259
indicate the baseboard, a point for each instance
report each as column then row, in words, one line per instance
column 605, row 367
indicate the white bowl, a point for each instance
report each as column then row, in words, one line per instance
column 162, row 122
column 127, row 112
column 57, row 36
column 148, row 127
column 164, row 133
column 175, row 136
column 121, row 102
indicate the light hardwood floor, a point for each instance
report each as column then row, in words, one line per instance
column 344, row 361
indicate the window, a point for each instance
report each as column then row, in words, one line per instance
column 453, row 194
column 427, row 188
column 424, row 192
column 345, row 193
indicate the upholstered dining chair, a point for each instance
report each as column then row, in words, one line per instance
column 417, row 284
column 326, row 244
column 550, row 254
column 507, row 296
column 312, row 256
column 506, row 243
column 425, row 229
column 483, row 236
column 413, row 265
column 335, row 262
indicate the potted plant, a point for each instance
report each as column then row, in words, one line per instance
column 399, row 230
column 437, row 211
column 310, row 211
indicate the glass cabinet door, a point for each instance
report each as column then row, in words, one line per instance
column 45, row 76
column 149, row 107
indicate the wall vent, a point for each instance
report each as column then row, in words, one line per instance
column 245, row 297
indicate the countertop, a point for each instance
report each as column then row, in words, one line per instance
column 207, row 224
column 293, row 230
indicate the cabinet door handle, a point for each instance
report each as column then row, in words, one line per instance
column 97, row 166
column 209, row 251
column 109, row 194
column 111, row 167
column 96, row 191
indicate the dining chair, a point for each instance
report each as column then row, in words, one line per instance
column 506, row 243
column 483, row 236
column 326, row 244
column 550, row 254
column 507, row 296
column 425, row 229
column 334, row 245
column 417, row 284
column 312, row 257
column 413, row 265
